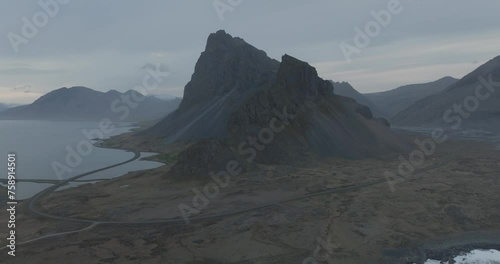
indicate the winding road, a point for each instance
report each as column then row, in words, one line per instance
column 33, row 202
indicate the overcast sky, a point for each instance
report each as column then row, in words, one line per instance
column 105, row 44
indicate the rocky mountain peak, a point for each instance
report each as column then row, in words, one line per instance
column 236, row 90
column 301, row 80
column 227, row 64
column 221, row 41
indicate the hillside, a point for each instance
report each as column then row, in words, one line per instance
column 236, row 92
column 394, row 101
column 346, row 89
column 81, row 103
column 227, row 73
column 468, row 103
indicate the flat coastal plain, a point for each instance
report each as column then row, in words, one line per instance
column 333, row 210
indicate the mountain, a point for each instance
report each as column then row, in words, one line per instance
column 346, row 89
column 323, row 123
column 394, row 101
column 81, row 103
column 472, row 102
column 237, row 95
column 5, row 106
column 227, row 73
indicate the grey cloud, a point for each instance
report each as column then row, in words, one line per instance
column 102, row 44
column 28, row 71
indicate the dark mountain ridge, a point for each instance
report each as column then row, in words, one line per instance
column 227, row 73
column 346, row 89
column 237, row 92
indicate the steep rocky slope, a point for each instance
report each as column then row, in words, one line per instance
column 472, row 102
column 227, row 73
column 240, row 101
column 314, row 119
column 346, row 89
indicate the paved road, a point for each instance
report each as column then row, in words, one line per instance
column 93, row 223
column 33, row 202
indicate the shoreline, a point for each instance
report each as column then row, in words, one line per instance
column 33, row 206
column 445, row 248
column 144, row 179
column 449, row 247
column 97, row 143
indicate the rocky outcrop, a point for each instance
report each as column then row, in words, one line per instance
column 227, row 73
column 321, row 122
column 346, row 89
column 297, row 83
column 300, row 81
column 273, row 115
column 227, row 64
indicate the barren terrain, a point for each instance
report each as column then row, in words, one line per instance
column 325, row 209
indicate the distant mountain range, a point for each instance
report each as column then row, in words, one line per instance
column 346, row 89
column 389, row 103
column 6, row 106
column 3, row 107
column 394, row 101
column 81, row 103
column 237, row 91
column 472, row 102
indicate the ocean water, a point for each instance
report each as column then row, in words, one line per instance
column 477, row 256
column 39, row 145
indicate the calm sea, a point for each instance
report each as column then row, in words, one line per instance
column 39, row 145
